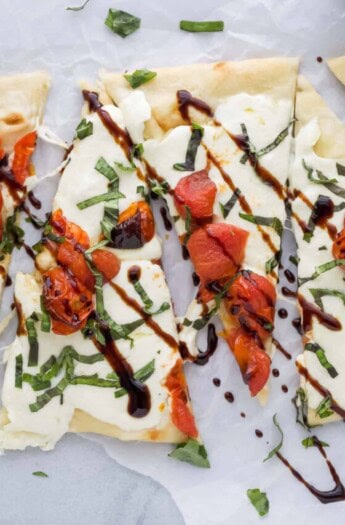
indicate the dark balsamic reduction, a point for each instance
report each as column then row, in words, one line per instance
column 35, row 221
column 196, row 279
column 288, row 293
column 185, row 253
column 36, row 203
column 275, row 372
column 212, row 342
column 323, row 210
column 289, row 276
column 185, row 99
column 283, row 313
column 139, row 399
column 127, row 234
column 319, row 59
column 281, row 348
column 297, row 324
column 310, row 310
column 166, row 220
column 285, row 389
column 242, row 414
column 324, row 496
column 258, row 433
column 8, row 281
column 216, row 381
column 134, row 273
column 229, row 396
column 29, row 251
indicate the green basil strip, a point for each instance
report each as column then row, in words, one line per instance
column 45, row 398
column 227, row 207
column 141, row 375
column 163, row 308
column 278, row 140
column 273, row 262
column 78, row 8
column 93, row 326
column 141, row 191
column 202, row 27
column 111, row 208
column 137, row 151
column 339, row 207
column 322, row 269
column 12, row 236
column 33, row 341
column 340, row 169
column 121, row 22
column 93, row 380
column 273, row 222
column 36, row 382
column 322, row 179
column 192, row 148
column 259, row 500
column 313, row 441
column 39, row 473
column 191, row 452
column 103, row 197
column 126, row 169
column 143, row 295
column 121, row 331
column 18, row 382
column 294, row 260
column 324, row 408
column 45, row 320
column 139, row 77
column 159, row 188
column 105, row 169
column 188, row 223
column 84, row 129
column 320, row 354
column 280, row 444
column 318, row 293
column 249, row 146
column 322, row 248
column 301, row 405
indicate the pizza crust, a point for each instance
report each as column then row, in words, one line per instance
column 22, row 101
column 210, row 82
column 337, row 66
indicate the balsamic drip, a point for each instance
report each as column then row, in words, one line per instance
column 139, row 400
column 323, row 210
column 258, row 433
column 132, row 303
column 153, row 196
column 153, row 175
column 242, row 414
column 120, row 135
column 289, row 276
column 288, row 293
column 35, row 221
column 275, row 372
column 229, row 396
column 281, row 348
column 216, row 381
column 134, row 273
column 310, row 310
column 297, row 324
column 127, row 234
column 6, row 176
column 283, row 313
column 29, row 251
column 36, row 203
column 324, row 496
column 8, row 281
column 185, row 253
column 285, row 389
column 166, row 220
column 185, row 99
column 212, row 342
column 196, row 279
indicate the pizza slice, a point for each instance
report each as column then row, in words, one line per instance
column 97, row 344
column 217, row 149
column 337, row 66
column 318, row 187
column 22, row 101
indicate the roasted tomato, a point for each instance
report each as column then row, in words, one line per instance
column 107, row 263
column 251, row 300
column 1, row 220
column 339, row 245
column 68, row 302
column 23, row 149
column 181, row 414
column 217, row 250
column 73, row 260
column 135, row 226
column 2, row 151
column 197, row 191
column 253, row 361
column 68, row 229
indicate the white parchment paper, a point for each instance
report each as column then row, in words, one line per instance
column 36, row 34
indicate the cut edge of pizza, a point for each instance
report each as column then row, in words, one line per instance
column 22, row 102
column 318, row 189
column 337, row 66
column 97, row 343
column 222, row 168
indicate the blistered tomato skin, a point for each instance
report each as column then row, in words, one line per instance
column 339, row 246
column 198, row 192
column 107, row 263
column 147, row 225
column 181, row 414
column 23, row 149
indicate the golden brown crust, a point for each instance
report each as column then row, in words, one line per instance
column 337, row 66
column 210, row 82
column 22, row 101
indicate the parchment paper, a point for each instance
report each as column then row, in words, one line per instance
column 37, row 34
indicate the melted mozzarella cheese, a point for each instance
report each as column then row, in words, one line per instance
column 52, row 421
column 311, row 257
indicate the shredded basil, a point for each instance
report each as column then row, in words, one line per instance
column 259, row 500
column 301, row 405
column 320, row 354
column 111, row 208
column 32, row 338
column 19, row 371
column 294, row 260
column 322, row 269
column 159, row 188
column 318, row 293
column 126, row 169
column 192, row 148
column 202, row 27
column 143, row 295
column 84, row 129
column 39, row 473
column 278, row 140
column 322, row 248
column 273, row 222
column 137, row 151
column 105, row 169
column 322, row 179
column 280, row 444
column 188, row 223
column 78, row 8
column 12, row 236
column 191, row 452
column 141, row 375
column 45, row 318
column 273, row 262
column 324, row 408
column 103, row 197
column 139, row 77
column 121, row 22
column 227, row 207
column 340, row 169
column 313, row 441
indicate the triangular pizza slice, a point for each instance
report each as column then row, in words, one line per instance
column 22, row 101
column 97, row 344
column 217, row 149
